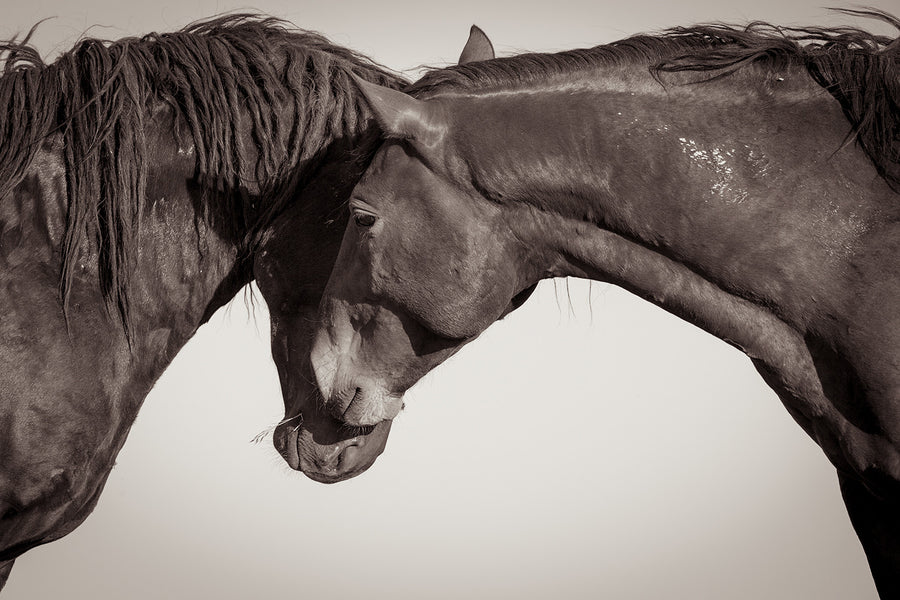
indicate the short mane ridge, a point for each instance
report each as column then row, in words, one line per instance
column 858, row 68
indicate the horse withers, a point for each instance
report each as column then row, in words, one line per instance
column 745, row 180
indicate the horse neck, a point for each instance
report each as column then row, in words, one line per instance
column 743, row 184
column 192, row 257
column 78, row 365
column 186, row 261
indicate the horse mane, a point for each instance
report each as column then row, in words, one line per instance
column 859, row 69
column 291, row 90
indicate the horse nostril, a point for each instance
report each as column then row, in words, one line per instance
column 356, row 395
column 341, row 402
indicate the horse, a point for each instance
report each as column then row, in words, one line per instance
column 745, row 179
column 143, row 183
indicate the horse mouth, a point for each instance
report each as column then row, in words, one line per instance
column 359, row 430
column 350, row 455
column 336, row 477
column 285, row 442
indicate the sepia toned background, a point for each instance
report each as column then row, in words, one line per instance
column 589, row 446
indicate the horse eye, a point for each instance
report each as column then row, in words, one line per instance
column 364, row 219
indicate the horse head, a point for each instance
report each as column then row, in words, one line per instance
column 427, row 262
column 292, row 268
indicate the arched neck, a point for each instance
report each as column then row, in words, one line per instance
column 716, row 178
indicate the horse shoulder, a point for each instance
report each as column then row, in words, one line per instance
column 54, row 393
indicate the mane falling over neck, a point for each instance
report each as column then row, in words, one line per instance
column 257, row 98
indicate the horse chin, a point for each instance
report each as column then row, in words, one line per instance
column 329, row 459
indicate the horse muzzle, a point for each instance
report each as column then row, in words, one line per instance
column 331, row 458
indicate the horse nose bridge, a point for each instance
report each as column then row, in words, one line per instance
column 325, row 361
column 334, row 340
column 340, row 358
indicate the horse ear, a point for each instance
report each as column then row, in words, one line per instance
column 478, row 47
column 401, row 116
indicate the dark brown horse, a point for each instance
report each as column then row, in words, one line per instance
column 143, row 182
column 744, row 179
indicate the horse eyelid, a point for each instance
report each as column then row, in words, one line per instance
column 364, row 219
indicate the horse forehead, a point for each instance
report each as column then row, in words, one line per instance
column 393, row 171
column 392, row 157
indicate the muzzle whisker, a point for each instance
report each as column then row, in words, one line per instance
column 259, row 437
column 299, row 425
column 288, row 420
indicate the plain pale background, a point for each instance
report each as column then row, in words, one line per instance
column 581, row 449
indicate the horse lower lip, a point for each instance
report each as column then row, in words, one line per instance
column 324, row 478
column 292, row 449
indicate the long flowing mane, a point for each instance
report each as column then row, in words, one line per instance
column 289, row 89
column 860, row 69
